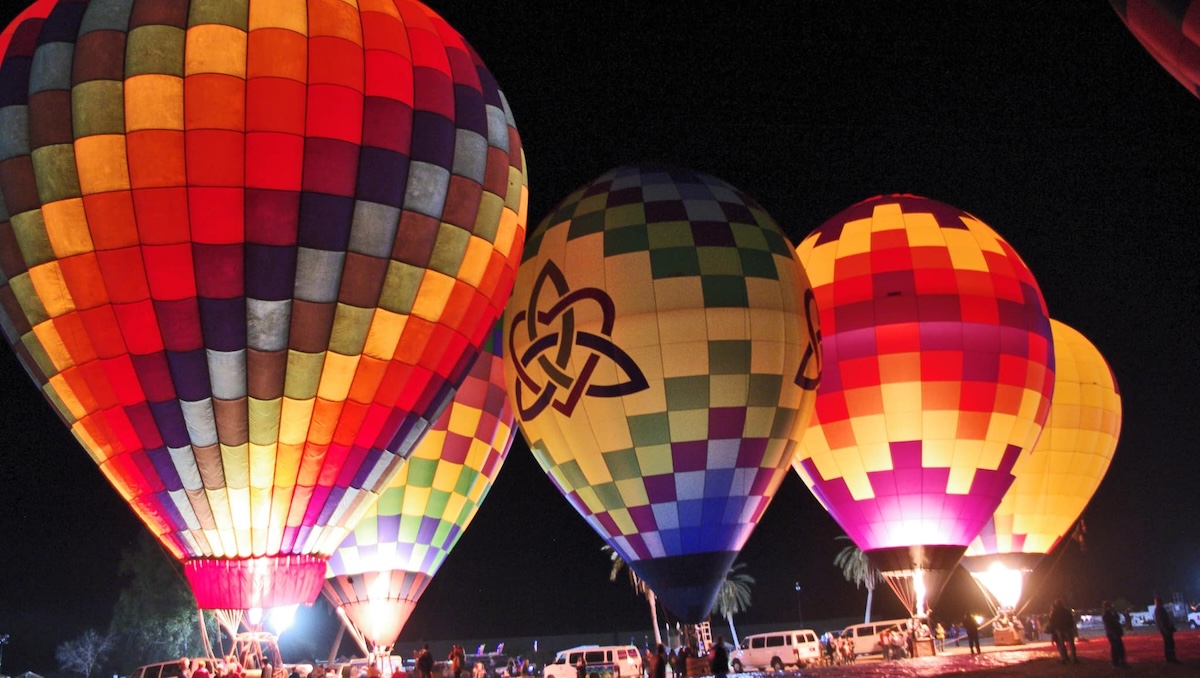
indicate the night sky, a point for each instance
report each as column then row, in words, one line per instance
column 1047, row 120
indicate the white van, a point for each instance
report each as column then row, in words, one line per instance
column 602, row 661
column 866, row 636
column 776, row 650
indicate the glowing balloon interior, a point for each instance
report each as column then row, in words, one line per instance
column 1170, row 32
column 938, row 373
column 248, row 249
column 662, row 359
column 1054, row 483
column 379, row 572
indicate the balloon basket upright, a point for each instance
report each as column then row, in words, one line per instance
column 252, row 647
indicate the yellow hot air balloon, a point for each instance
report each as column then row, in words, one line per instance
column 1054, row 483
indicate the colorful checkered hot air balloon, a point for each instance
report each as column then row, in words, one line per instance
column 1170, row 32
column 939, row 367
column 662, row 360
column 1057, row 479
column 379, row 573
column 248, row 250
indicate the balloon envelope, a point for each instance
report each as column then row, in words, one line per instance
column 662, row 359
column 1170, row 32
column 248, row 249
column 938, row 374
column 1055, row 482
column 379, row 572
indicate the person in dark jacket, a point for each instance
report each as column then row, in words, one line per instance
column 718, row 658
column 658, row 662
column 1114, row 630
column 1166, row 626
column 425, row 663
column 1062, row 628
column 972, row 628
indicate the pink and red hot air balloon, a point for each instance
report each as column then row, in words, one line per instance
column 248, row 251
column 938, row 371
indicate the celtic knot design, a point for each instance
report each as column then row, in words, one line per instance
column 552, row 340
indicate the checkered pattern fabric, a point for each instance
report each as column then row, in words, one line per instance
column 248, row 249
column 938, row 371
column 657, row 347
column 1055, row 482
column 404, row 538
column 1170, row 31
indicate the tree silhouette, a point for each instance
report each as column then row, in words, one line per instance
column 734, row 596
column 858, row 570
column 618, row 563
column 84, row 654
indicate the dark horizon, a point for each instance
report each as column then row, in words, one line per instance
column 1048, row 121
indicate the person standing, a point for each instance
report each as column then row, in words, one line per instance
column 658, row 662
column 940, row 634
column 1062, row 627
column 1166, row 626
column 972, row 628
column 425, row 662
column 1114, row 629
column 718, row 658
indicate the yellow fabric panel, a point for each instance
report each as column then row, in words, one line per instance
column 903, row 425
column 99, row 453
column 987, row 239
column 464, row 419
column 336, row 376
column 67, row 227
column 384, row 334
column 901, row 397
column 869, row 430
column 303, row 374
column 623, row 520
column 922, row 230
column 991, row 453
column 218, row 501
column 939, row 425
column 101, row 163
column 686, row 359
column 153, row 101
column 475, row 261
column 677, row 294
column 446, row 476
column 215, row 48
column 588, row 496
column 728, row 390
column 263, row 417
column 633, row 493
column 294, row 419
column 937, row 453
column 964, row 251
column 768, row 294
column 818, row 268
column 260, row 516
column 236, row 462
column 963, row 465
column 262, row 467
column 856, row 236
column 52, row 343
column 415, row 500
column 291, row 15
column 771, row 357
column 768, row 325
column 688, row 425
column 628, row 277
column 433, row 295
column 654, row 460
column 239, row 510
column 51, row 289
column 727, row 323
column 855, row 476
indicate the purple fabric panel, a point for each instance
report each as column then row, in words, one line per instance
column 689, row 456
column 660, row 489
column 382, row 176
column 325, row 221
column 433, row 137
column 726, row 422
column 223, row 322
column 270, row 271
column 164, row 468
column 712, row 234
column 469, row 112
column 189, row 372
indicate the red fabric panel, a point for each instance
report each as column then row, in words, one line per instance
column 274, row 160
column 124, row 276
column 216, row 214
column 169, row 270
column 162, row 217
column 111, row 219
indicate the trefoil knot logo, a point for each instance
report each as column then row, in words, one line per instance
column 553, row 341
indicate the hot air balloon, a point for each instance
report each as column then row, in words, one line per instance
column 661, row 357
column 248, row 250
column 380, row 571
column 1170, row 32
column 1057, row 479
column 939, row 367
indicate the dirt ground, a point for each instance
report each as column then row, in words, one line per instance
column 1144, row 651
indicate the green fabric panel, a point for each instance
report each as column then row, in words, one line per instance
column 443, row 531
column 625, row 240
column 764, row 390
column 729, row 357
column 38, row 352
column 421, row 472
column 350, row 327
column 30, row 230
column 719, row 261
column 57, row 402
column 111, row 15
column 758, row 264
column 573, row 476
column 437, row 503
column 687, row 393
column 674, row 262
column 303, row 374
column 263, row 416
column 775, row 240
column 749, row 236
column 785, row 419
column 724, row 291
column 390, row 502
column 54, row 168
column 154, row 49
column 228, row 12
column 623, row 464
column 449, row 249
column 98, row 107
column 487, row 218
column 366, row 532
column 585, row 224
column 649, row 429
column 624, row 215
column 410, row 526
column 31, row 304
column 668, row 234
column 466, row 478
column 533, row 243
column 609, row 495
column 400, row 287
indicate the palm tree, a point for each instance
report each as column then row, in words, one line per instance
column 734, row 596
column 859, row 570
column 638, row 585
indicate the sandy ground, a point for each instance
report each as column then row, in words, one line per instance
column 1037, row 659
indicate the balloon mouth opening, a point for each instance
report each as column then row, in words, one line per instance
column 255, row 583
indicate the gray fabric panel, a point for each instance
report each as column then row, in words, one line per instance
column 373, row 230
column 470, row 155
column 427, row 188
column 227, row 371
column 318, row 274
column 201, row 424
column 267, row 324
column 185, row 466
column 14, row 132
column 51, row 67
column 106, row 15
column 497, row 128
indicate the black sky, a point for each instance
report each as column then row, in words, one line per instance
column 1047, row 120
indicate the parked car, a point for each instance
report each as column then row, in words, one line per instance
column 776, row 650
column 866, row 636
column 602, row 661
